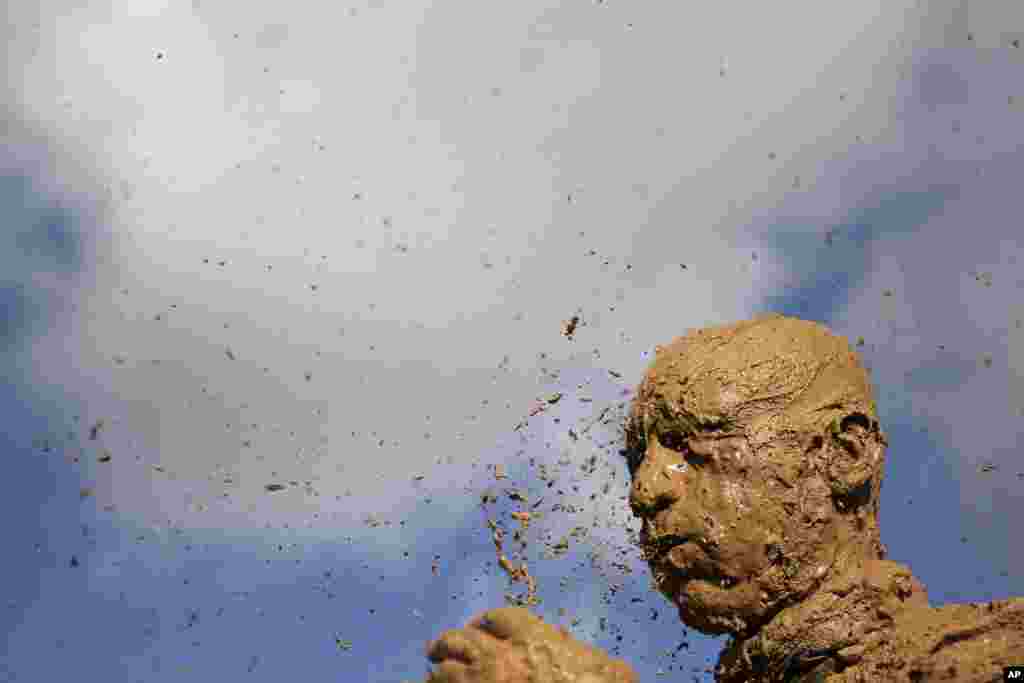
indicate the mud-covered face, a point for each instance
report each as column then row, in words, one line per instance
column 749, row 479
column 708, row 525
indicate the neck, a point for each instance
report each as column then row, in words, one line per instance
column 827, row 625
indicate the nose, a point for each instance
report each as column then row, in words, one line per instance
column 655, row 486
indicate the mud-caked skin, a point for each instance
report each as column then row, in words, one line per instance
column 757, row 462
column 756, row 459
column 511, row 645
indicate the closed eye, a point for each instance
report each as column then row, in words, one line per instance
column 672, row 440
column 676, row 441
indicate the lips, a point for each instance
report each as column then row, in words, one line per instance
column 689, row 558
column 659, row 546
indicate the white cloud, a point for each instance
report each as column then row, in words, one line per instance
column 433, row 191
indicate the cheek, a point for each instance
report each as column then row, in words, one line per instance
column 738, row 497
column 746, row 495
column 753, row 525
column 745, row 554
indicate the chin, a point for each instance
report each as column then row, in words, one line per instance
column 714, row 609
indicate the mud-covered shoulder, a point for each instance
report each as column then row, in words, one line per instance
column 965, row 643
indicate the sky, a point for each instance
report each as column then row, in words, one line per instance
column 330, row 248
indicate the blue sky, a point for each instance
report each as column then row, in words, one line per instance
column 333, row 249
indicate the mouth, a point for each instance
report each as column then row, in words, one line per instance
column 658, row 547
column 689, row 558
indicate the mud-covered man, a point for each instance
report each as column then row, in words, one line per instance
column 757, row 461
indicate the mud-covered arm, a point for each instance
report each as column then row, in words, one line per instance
column 511, row 645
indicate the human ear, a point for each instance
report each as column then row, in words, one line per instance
column 855, row 456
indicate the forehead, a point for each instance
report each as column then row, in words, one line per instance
column 767, row 370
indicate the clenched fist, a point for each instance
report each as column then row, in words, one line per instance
column 511, row 645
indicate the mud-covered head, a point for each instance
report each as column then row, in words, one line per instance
column 757, row 462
